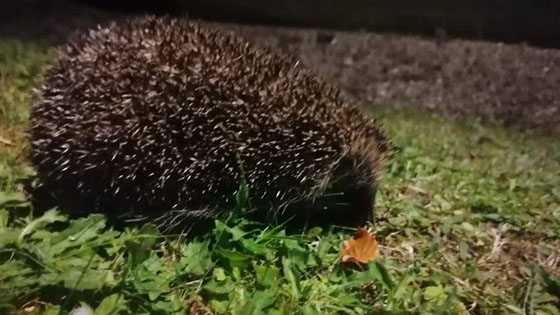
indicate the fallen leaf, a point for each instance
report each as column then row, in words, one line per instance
column 360, row 248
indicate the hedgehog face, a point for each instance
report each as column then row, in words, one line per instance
column 344, row 204
column 357, row 189
column 347, row 194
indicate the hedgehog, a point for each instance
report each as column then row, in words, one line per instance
column 161, row 118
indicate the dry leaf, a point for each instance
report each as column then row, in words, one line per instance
column 360, row 248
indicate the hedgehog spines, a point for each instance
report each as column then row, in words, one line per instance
column 150, row 117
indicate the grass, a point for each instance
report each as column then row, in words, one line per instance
column 21, row 65
column 468, row 220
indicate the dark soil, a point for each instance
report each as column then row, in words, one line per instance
column 514, row 85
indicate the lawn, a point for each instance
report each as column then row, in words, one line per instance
column 468, row 222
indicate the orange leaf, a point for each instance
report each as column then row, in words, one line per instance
column 360, row 248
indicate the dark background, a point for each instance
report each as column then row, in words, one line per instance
column 536, row 22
